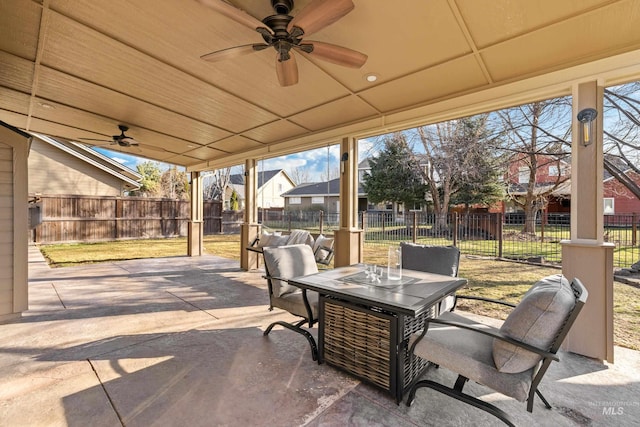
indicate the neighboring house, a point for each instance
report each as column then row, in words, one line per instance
column 271, row 185
column 323, row 196
column 552, row 179
column 62, row 167
column 617, row 198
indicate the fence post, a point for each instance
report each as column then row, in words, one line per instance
column 321, row 221
column 415, row 226
column 542, row 221
column 500, row 232
column 634, row 228
column 364, row 221
column 456, row 226
column 289, row 226
column 118, row 215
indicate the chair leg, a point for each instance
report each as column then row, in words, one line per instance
column 297, row 328
column 457, row 394
column 541, row 398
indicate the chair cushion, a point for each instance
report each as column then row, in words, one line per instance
column 536, row 320
column 294, row 303
column 470, row 354
column 320, row 243
column 300, row 237
column 288, row 262
column 432, row 259
column 266, row 238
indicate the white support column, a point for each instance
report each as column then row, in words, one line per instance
column 195, row 236
column 349, row 241
column 586, row 256
column 249, row 228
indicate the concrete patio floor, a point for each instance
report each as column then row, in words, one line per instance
column 178, row 341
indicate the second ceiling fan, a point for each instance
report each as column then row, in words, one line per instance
column 285, row 34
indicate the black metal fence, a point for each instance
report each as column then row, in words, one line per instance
column 493, row 235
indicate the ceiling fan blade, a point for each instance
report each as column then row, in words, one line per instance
column 287, row 71
column 127, row 141
column 234, row 13
column 319, row 14
column 336, row 54
column 233, row 52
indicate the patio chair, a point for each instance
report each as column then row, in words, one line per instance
column 283, row 263
column 510, row 360
column 433, row 259
column 323, row 249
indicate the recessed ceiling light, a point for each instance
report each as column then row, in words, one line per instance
column 371, row 77
column 190, row 145
column 45, row 105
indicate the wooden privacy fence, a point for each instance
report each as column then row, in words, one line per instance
column 92, row 218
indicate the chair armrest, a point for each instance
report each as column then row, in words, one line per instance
column 252, row 249
column 491, row 300
column 490, row 332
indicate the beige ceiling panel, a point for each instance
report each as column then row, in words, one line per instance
column 19, row 27
column 103, row 129
column 235, row 144
column 89, row 55
column 15, row 119
column 15, row 73
column 400, row 37
column 204, row 153
column 121, row 108
column 255, row 79
column 342, row 111
column 182, row 160
column 420, row 88
column 588, row 37
column 14, row 101
column 493, row 21
column 197, row 30
column 274, row 132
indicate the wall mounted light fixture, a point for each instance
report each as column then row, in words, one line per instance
column 587, row 119
column 343, row 160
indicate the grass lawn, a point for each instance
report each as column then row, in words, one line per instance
column 487, row 277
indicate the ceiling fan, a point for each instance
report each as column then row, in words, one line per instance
column 285, row 34
column 122, row 139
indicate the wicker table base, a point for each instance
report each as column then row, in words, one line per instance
column 369, row 344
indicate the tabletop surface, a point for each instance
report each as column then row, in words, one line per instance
column 415, row 293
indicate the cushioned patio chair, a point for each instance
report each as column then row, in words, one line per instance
column 323, row 249
column 433, row 259
column 283, row 263
column 510, row 360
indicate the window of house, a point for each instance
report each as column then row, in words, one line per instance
column 609, row 205
column 295, row 200
column 553, row 170
column 523, row 175
column 317, row 200
column 280, row 187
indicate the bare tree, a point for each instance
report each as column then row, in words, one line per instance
column 453, row 151
column 215, row 184
column 536, row 137
column 300, row 175
column 622, row 133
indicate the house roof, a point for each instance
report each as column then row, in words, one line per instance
column 72, row 73
column 263, row 177
column 326, row 188
column 129, row 177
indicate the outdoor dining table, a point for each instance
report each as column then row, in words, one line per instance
column 364, row 324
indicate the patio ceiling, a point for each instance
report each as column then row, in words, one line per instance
column 76, row 69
